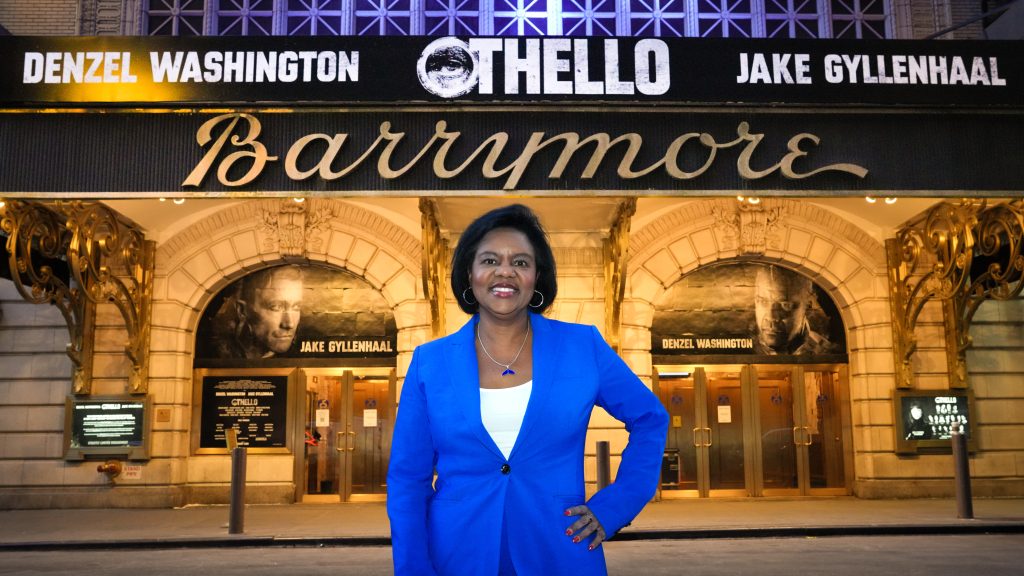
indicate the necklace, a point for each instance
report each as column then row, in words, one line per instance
column 508, row 367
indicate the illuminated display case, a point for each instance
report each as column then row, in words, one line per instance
column 924, row 418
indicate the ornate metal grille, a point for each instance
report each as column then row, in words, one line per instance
column 793, row 19
column 452, row 17
column 657, row 18
column 725, row 19
column 693, row 18
column 859, row 18
column 175, row 17
column 314, row 17
column 245, row 18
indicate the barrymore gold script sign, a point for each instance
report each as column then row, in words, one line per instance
column 236, row 156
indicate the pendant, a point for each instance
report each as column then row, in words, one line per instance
column 508, row 371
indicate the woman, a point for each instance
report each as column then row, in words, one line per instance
column 500, row 410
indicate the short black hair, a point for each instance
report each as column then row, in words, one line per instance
column 516, row 217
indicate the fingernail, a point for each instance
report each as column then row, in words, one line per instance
column 576, row 540
column 567, row 513
column 591, row 547
column 568, row 532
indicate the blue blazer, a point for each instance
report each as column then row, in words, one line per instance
column 454, row 526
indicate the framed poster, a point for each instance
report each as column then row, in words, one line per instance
column 295, row 315
column 107, row 427
column 742, row 312
column 256, row 402
column 924, row 419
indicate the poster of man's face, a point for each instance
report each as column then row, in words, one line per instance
column 781, row 300
column 294, row 312
column 269, row 306
column 744, row 308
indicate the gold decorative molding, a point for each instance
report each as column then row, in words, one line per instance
column 616, row 261
column 958, row 255
column 434, row 265
column 997, row 270
column 109, row 261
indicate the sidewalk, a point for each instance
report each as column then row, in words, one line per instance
column 367, row 525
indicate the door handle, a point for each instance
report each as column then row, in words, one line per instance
column 696, row 443
column 337, row 442
column 708, row 443
column 352, row 435
column 807, row 435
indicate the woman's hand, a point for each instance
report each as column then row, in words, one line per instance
column 587, row 524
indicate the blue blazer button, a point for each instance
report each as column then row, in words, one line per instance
column 505, row 468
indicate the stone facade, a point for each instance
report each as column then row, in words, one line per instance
column 201, row 259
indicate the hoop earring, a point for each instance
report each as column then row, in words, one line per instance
column 539, row 304
column 465, row 299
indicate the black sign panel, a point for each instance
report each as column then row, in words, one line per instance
column 256, row 406
column 106, row 426
column 545, row 151
column 317, row 70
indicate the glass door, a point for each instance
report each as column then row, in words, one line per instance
column 802, row 434
column 754, row 430
column 678, row 393
column 348, row 426
column 707, row 451
column 781, row 433
column 726, row 437
column 368, row 431
column 828, row 431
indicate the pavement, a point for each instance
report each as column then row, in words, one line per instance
column 366, row 524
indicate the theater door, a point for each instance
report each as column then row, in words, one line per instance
column 348, row 424
column 755, row 430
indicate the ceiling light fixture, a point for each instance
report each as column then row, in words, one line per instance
column 891, row 200
column 179, row 201
column 298, row 200
column 870, row 199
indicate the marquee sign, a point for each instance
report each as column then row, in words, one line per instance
column 417, row 115
column 541, row 151
column 327, row 70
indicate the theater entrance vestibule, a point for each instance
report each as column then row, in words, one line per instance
column 755, row 430
column 349, row 419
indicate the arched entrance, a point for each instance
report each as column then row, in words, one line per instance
column 301, row 357
column 352, row 261
column 750, row 361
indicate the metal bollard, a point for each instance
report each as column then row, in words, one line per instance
column 961, row 474
column 236, row 519
column 604, row 466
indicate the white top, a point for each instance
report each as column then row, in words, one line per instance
column 502, row 411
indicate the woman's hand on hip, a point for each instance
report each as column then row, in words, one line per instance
column 586, row 525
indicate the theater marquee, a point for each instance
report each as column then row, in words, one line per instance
column 455, row 115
